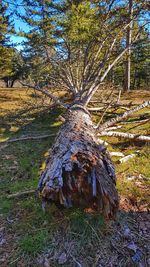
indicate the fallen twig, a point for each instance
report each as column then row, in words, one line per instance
column 21, row 194
column 126, row 158
column 116, row 154
column 28, row 138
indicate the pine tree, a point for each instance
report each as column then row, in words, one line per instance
column 6, row 52
column 39, row 40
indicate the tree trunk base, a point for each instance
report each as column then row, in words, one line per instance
column 79, row 171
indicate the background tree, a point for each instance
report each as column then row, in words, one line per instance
column 6, row 28
column 15, row 68
column 39, row 40
column 128, row 44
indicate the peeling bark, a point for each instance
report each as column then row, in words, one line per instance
column 79, row 170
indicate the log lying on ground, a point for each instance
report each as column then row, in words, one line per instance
column 79, row 170
column 126, row 135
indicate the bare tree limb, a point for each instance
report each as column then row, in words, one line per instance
column 42, row 90
column 126, row 158
column 21, row 194
column 28, row 138
column 104, row 112
column 137, row 137
column 122, row 117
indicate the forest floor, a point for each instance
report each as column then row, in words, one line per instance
column 30, row 237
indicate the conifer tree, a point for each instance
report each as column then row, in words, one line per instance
column 6, row 28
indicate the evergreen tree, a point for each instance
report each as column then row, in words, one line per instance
column 6, row 52
column 39, row 40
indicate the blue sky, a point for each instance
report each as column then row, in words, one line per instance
column 18, row 23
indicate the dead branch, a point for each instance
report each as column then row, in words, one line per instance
column 122, row 117
column 29, row 138
column 113, row 128
column 96, row 109
column 137, row 137
column 126, row 158
column 47, row 93
column 116, row 154
column 21, row 194
column 136, row 121
column 119, row 96
column 92, row 109
column 104, row 112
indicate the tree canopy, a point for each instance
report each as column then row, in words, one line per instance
column 76, row 45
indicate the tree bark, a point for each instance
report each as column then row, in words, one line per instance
column 79, row 170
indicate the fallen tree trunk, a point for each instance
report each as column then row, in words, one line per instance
column 79, row 170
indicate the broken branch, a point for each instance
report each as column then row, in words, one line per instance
column 29, row 138
column 47, row 93
column 122, row 117
column 127, row 135
column 21, row 194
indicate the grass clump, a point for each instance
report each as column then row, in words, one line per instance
column 34, row 243
column 6, row 205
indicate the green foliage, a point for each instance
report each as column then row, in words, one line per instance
column 6, row 205
column 39, row 40
column 80, row 24
column 6, row 53
column 6, row 24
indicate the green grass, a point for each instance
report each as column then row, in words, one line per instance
column 6, row 205
column 33, row 243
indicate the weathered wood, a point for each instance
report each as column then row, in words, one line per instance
column 137, row 137
column 126, row 158
column 21, row 194
column 116, row 154
column 79, row 170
